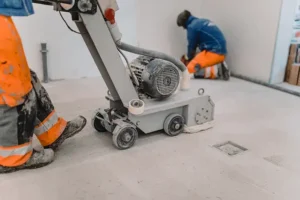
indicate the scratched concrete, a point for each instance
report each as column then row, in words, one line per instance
column 264, row 121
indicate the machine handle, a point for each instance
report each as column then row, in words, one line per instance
column 49, row 2
column 42, row 2
column 65, row 1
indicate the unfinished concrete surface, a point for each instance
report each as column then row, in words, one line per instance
column 288, row 86
column 262, row 120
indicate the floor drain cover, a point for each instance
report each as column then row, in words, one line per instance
column 230, row 148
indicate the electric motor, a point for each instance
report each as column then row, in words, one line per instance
column 157, row 78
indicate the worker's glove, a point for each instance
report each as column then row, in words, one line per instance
column 185, row 60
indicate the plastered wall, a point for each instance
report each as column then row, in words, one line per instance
column 249, row 26
column 68, row 57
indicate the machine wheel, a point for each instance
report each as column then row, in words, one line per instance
column 124, row 137
column 97, row 123
column 174, row 125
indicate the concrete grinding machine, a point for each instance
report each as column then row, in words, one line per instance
column 151, row 93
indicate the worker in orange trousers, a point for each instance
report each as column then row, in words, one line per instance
column 204, row 35
column 25, row 106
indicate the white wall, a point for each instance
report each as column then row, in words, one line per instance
column 68, row 55
column 157, row 28
column 126, row 18
column 283, row 41
column 249, row 26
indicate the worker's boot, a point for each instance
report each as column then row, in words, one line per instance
column 224, row 72
column 38, row 159
column 73, row 127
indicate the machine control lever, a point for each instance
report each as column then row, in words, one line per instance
column 71, row 6
column 65, row 1
column 49, row 2
column 110, row 15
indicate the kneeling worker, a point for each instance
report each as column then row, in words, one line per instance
column 205, row 35
column 25, row 106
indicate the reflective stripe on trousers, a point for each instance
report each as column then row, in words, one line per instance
column 16, row 155
column 211, row 72
column 18, row 124
column 45, row 126
column 50, row 129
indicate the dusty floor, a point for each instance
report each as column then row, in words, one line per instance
column 290, row 87
column 264, row 121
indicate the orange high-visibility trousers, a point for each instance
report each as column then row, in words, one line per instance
column 205, row 59
column 25, row 106
column 208, row 72
column 18, row 124
column 15, row 80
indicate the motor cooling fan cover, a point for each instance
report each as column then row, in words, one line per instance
column 160, row 79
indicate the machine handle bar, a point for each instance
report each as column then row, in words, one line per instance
column 49, row 2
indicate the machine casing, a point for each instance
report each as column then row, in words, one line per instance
column 191, row 107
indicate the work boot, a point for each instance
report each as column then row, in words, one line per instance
column 225, row 71
column 38, row 159
column 73, row 127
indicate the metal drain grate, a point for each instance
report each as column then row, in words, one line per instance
column 230, row 148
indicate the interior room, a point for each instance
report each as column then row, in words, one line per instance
column 148, row 126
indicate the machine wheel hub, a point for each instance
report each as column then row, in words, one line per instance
column 126, row 137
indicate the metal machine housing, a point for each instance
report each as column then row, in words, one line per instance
column 188, row 108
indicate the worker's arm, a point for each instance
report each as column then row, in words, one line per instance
column 192, row 44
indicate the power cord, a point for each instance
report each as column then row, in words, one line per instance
column 129, row 68
column 125, row 58
column 62, row 17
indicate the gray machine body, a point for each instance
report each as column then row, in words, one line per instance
column 152, row 82
column 196, row 108
column 158, row 79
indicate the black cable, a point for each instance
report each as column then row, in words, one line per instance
column 68, row 24
column 49, row 2
column 129, row 68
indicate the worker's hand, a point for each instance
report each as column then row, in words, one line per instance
column 185, row 60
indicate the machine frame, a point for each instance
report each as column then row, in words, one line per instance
column 185, row 108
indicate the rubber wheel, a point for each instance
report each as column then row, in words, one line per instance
column 97, row 123
column 174, row 125
column 125, row 137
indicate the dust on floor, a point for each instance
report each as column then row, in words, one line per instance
column 262, row 120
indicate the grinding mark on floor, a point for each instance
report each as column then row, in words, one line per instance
column 275, row 159
column 230, row 148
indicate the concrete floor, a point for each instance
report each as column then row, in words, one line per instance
column 288, row 86
column 264, row 121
